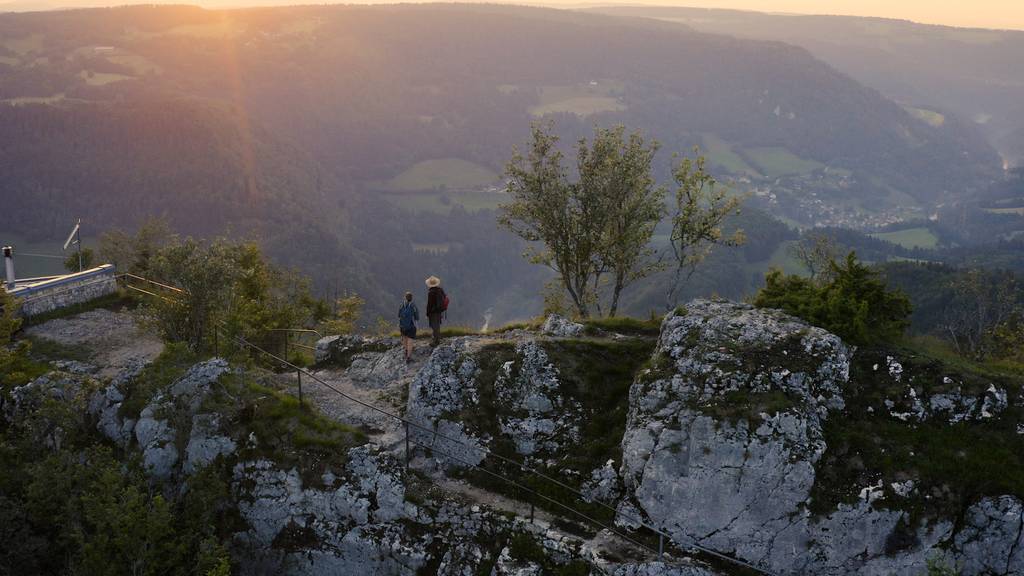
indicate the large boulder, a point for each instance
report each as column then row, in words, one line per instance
column 155, row 431
column 724, row 429
column 534, row 412
column 350, row 524
column 28, row 402
column 443, row 388
column 561, row 327
column 105, row 404
column 725, row 433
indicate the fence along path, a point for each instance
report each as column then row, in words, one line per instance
column 693, row 548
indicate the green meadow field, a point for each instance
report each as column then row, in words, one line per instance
column 910, row 238
column 775, row 161
column 579, row 99
column 446, row 173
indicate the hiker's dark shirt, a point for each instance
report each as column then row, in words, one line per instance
column 434, row 300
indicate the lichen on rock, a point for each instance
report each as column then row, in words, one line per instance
column 535, row 413
column 155, row 432
column 445, row 386
column 555, row 325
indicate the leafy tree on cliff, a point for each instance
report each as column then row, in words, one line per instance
column 617, row 170
column 230, row 287
column 132, row 253
column 88, row 260
column 598, row 230
column 700, row 208
column 565, row 217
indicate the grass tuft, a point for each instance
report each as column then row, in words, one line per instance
column 623, row 325
column 170, row 365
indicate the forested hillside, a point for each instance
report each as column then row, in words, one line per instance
column 935, row 71
column 365, row 145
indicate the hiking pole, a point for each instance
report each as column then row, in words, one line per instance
column 298, row 372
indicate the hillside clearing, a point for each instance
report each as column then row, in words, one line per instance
column 930, row 117
column 579, row 99
column 776, row 161
column 440, row 173
column 1018, row 211
column 443, row 202
column 720, row 153
column 910, row 238
column 22, row 100
column 102, row 78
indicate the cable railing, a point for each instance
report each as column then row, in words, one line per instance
column 486, row 453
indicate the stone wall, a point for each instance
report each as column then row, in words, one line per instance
column 48, row 295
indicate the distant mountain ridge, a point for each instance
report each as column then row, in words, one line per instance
column 977, row 74
column 369, row 91
column 333, row 134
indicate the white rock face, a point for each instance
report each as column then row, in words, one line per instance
column 535, row 414
column 555, row 325
column 992, row 542
column 25, row 401
column 156, row 436
column 190, row 390
column 347, row 527
column 358, row 522
column 604, row 484
column 205, row 443
column 324, row 348
column 105, row 404
column 507, row 566
column 444, row 386
column 156, row 439
column 660, row 569
column 377, row 369
column 953, row 407
column 732, row 486
column 698, row 464
column 54, row 385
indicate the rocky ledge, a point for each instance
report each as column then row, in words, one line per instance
column 739, row 430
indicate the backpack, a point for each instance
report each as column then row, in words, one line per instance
column 407, row 315
column 444, row 301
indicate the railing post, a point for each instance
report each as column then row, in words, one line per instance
column 407, row 446
column 298, row 373
column 286, row 345
column 661, row 545
column 531, row 511
column 215, row 346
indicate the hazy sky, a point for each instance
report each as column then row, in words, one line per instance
column 967, row 13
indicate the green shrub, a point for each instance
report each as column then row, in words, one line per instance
column 853, row 302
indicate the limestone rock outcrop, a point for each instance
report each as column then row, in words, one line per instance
column 723, row 439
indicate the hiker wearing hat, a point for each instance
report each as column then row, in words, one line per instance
column 408, row 316
column 437, row 304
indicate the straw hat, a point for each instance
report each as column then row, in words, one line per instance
column 433, row 281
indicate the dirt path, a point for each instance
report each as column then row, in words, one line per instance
column 376, row 379
column 112, row 340
column 609, row 544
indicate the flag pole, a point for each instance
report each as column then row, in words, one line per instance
column 78, row 240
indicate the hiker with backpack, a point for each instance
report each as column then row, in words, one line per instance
column 408, row 315
column 437, row 304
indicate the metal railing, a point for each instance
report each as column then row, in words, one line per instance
column 287, row 338
column 486, row 453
